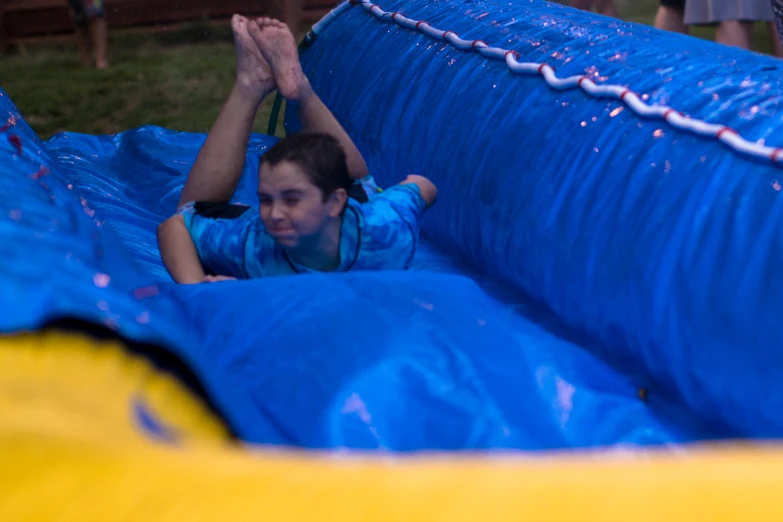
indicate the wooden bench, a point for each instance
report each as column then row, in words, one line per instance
column 22, row 20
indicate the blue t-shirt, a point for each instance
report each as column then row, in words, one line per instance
column 380, row 234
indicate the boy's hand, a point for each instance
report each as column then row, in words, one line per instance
column 217, row 279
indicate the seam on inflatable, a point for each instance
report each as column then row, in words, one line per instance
column 726, row 135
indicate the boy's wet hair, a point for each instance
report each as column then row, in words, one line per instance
column 318, row 155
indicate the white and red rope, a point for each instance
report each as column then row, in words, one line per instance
column 676, row 119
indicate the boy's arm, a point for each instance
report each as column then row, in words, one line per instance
column 392, row 219
column 218, row 167
column 178, row 251
column 314, row 116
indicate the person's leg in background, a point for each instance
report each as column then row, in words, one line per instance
column 671, row 16
column 89, row 20
column 584, row 5
column 99, row 30
column 740, row 34
column 774, row 36
column 606, row 8
column 735, row 33
column 776, row 27
column 79, row 19
column 735, row 19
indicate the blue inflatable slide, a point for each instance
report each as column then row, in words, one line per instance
column 594, row 273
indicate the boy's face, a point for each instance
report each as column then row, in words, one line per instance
column 292, row 208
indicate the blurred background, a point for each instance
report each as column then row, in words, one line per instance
column 167, row 62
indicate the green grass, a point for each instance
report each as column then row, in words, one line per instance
column 176, row 78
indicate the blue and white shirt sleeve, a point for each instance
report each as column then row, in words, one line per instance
column 408, row 202
column 220, row 234
column 390, row 229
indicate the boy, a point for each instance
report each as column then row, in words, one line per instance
column 305, row 220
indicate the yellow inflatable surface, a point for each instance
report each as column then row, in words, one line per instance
column 90, row 432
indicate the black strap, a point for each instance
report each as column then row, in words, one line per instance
column 356, row 191
column 219, row 210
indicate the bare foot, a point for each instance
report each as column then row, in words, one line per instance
column 278, row 46
column 253, row 71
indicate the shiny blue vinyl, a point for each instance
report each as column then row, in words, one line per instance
column 507, row 333
column 662, row 247
column 389, row 360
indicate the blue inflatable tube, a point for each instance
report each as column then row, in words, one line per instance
column 663, row 246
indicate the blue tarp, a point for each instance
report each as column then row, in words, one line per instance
column 567, row 271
